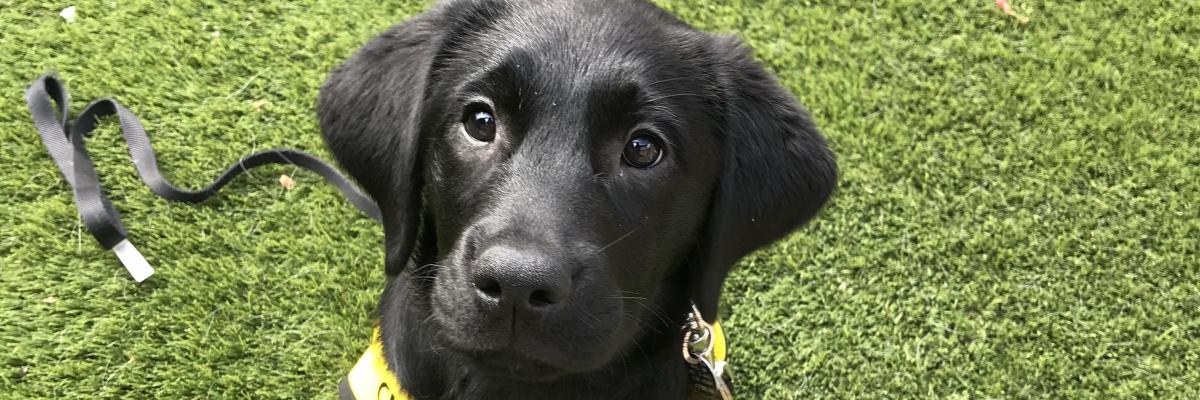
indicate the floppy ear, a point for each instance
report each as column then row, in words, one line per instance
column 370, row 111
column 777, row 171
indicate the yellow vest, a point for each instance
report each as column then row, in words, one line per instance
column 370, row 379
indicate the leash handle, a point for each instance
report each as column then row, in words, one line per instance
column 49, row 104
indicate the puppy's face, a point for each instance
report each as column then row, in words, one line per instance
column 568, row 172
column 560, row 179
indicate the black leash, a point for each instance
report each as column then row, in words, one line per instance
column 48, row 100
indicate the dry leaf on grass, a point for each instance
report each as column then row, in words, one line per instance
column 1007, row 8
column 287, row 182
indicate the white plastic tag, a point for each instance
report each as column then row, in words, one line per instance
column 133, row 260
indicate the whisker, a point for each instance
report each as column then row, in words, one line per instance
column 631, row 231
column 425, row 270
column 435, row 349
column 727, row 104
column 592, row 316
column 667, row 96
column 648, row 306
column 678, row 78
column 638, row 322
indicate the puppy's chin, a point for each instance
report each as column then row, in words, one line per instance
column 528, row 356
column 515, row 367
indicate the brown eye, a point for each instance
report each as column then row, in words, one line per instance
column 642, row 151
column 479, row 123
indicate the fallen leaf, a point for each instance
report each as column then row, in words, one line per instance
column 1007, row 8
column 50, row 300
column 68, row 14
column 287, row 182
column 258, row 105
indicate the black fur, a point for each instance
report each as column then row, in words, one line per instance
column 549, row 201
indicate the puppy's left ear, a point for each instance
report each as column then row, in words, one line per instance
column 777, row 171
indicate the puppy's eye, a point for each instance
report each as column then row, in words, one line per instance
column 479, row 123
column 642, row 151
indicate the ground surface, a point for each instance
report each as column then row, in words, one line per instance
column 1017, row 217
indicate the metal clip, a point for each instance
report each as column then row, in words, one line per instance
column 706, row 373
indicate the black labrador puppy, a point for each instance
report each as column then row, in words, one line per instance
column 560, row 180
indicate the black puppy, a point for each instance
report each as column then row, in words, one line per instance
column 559, row 181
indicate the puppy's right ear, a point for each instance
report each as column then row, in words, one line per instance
column 370, row 111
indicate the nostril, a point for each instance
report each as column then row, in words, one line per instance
column 488, row 287
column 541, row 298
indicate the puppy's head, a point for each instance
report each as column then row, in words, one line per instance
column 570, row 173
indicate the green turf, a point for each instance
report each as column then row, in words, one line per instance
column 1018, row 211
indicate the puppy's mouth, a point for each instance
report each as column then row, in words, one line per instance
column 521, row 352
column 518, row 357
column 512, row 365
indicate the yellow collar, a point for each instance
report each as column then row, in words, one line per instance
column 718, row 342
column 371, row 379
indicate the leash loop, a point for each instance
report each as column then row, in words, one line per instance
column 49, row 104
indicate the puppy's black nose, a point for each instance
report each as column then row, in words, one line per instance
column 528, row 280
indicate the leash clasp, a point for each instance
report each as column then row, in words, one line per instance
column 706, row 372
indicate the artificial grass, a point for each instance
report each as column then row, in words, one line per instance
column 1017, row 215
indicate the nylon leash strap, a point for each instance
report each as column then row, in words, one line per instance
column 49, row 103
